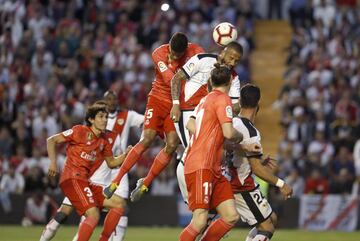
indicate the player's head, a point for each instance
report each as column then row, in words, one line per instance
column 96, row 115
column 178, row 45
column 249, row 96
column 111, row 100
column 231, row 54
column 220, row 76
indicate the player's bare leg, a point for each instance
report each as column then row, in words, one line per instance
column 132, row 157
column 87, row 227
column 117, row 206
column 160, row 163
column 197, row 225
column 229, row 217
column 54, row 224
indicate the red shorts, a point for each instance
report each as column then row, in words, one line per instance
column 157, row 116
column 82, row 194
column 207, row 191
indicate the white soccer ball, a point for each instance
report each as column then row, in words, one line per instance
column 224, row 33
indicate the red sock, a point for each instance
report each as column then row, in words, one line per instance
column 130, row 161
column 217, row 230
column 188, row 234
column 86, row 228
column 111, row 220
column 160, row 162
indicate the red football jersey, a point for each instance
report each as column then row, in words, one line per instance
column 85, row 152
column 206, row 147
column 165, row 69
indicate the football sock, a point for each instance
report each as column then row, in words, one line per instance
column 82, row 219
column 119, row 233
column 110, row 223
column 130, row 160
column 160, row 162
column 251, row 234
column 189, row 233
column 52, row 227
column 86, row 228
column 217, row 230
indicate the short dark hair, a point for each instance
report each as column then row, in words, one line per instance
column 249, row 96
column 94, row 109
column 179, row 42
column 220, row 76
column 235, row 46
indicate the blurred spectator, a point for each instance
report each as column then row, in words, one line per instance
column 11, row 182
column 296, row 181
column 316, row 183
column 38, row 209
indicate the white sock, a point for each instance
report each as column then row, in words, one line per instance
column 251, row 234
column 50, row 230
column 119, row 233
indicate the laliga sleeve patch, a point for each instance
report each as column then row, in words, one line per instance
column 229, row 112
column 67, row 132
column 189, row 67
column 162, row 66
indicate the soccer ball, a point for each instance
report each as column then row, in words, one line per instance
column 224, row 33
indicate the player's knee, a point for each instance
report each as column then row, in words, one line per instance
column 267, row 226
column 147, row 140
column 119, row 203
column 171, row 146
column 232, row 217
column 199, row 222
column 94, row 213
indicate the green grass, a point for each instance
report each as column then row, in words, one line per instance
column 17, row 233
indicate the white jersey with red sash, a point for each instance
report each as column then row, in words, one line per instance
column 119, row 123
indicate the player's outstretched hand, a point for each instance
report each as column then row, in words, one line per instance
column 175, row 113
column 52, row 170
column 286, row 191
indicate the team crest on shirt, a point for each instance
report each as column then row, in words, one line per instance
column 120, row 121
column 162, row 66
column 110, row 140
column 229, row 112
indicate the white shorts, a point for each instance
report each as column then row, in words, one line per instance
column 252, row 206
column 122, row 190
column 180, row 127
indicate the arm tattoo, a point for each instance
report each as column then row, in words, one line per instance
column 176, row 83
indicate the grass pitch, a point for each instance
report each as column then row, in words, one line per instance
column 18, row 233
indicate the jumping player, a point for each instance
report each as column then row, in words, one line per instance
column 167, row 59
column 187, row 94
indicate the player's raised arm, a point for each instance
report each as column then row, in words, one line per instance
column 261, row 171
column 51, row 143
column 175, row 94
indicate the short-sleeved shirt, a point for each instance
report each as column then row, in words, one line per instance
column 241, row 174
column 85, row 152
column 198, row 69
column 206, row 147
column 166, row 69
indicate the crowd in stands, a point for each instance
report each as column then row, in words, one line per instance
column 320, row 99
column 56, row 57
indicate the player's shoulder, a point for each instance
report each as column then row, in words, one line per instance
column 161, row 50
column 246, row 124
column 80, row 128
column 207, row 56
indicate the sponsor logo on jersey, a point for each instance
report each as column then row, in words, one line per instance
column 162, row 66
column 120, row 121
column 67, row 132
column 229, row 112
column 89, row 157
